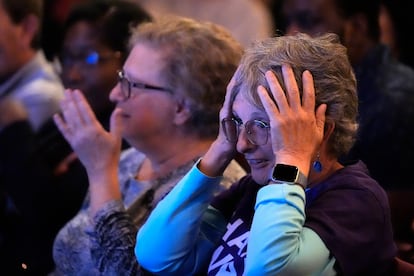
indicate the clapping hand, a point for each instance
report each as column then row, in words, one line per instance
column 96, row 148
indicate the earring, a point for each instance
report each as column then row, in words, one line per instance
column 317, row 165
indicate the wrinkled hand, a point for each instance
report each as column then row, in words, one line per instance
column 97, row 149
column 296, row 129
column 226, row 112
column 221, row 151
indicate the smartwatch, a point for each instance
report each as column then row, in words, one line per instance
column 288, row 174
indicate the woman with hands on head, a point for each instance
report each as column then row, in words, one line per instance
column 168, row 97
column 291, row 110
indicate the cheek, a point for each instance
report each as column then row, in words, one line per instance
column 150, row 110
column 140, row 121
column 261, row 174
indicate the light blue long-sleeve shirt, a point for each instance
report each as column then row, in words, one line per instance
column 183, row 231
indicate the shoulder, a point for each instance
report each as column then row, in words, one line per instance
column 351, row 184
column 129, row 162
column 39, row 74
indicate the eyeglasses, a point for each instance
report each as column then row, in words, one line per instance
column 257, row 132
column 127, row 85
column 87, row 59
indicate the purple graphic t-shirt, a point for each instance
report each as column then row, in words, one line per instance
column 333, row 209
column 237, row 205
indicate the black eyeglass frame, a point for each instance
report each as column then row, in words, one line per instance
column 238, row 124
column 123, row 80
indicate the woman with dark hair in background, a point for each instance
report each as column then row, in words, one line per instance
column 43, row 177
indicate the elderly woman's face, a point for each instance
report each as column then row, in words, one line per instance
column 147, row 114
column 257, row 147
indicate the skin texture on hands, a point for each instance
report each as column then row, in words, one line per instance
column 97, row 149
column 221, row 151
column 296, row 129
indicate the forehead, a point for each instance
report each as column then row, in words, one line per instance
column 245, row 110
column 81, row 32
column 145, row 61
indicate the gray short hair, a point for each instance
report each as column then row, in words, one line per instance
column 332, row 72
column 200, row 59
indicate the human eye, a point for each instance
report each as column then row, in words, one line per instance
column 92, row 58
column 237, row 120
column 261, row 124
column 67, row 58
column 138, row 85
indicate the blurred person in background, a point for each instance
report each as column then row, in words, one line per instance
column 396, row 23
column 25, row 75
column 385, row 85
column 41, row 175
column 247, row 20
column 55, row 13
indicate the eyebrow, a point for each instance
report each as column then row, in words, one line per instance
column 256, row 115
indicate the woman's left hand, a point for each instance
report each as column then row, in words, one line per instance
column 97, row 149
column 296, row 128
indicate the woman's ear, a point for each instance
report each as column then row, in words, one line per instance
column 328, row 130
column 182, row 112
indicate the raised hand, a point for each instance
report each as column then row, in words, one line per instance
column 222, row 151
column 226, row 112
column 296, row 129
column 96, row 148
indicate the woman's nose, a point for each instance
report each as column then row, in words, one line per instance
column 243, row 143
column 116, row 94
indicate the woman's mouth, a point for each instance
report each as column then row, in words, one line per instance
column 256, row 163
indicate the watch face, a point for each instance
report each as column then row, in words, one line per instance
column 285, row 173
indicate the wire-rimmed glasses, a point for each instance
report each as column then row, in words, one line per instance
column 257, row 131
column 127, row 85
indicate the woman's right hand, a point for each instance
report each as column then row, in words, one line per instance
column 222, row 151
